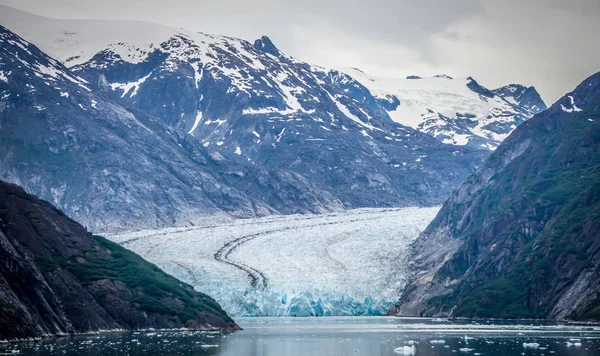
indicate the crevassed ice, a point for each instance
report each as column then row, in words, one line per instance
column 350, row 263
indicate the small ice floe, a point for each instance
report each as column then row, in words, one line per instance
column 465, row 349
column 438, row 341
column 208, row 346
column 531, row 345
column 411, row 342
column 405, row 350
column 576, row 344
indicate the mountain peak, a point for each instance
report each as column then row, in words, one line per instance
column 266, row 45
column 442, row 76
column 527, row 97
column 478, row 88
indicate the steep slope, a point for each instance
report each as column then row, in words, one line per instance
column 110, row 167
column 456, row 111
column 521, row 237
column 57, row 278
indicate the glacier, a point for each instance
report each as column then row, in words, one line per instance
column 343, row 263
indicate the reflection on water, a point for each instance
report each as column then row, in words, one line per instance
column 336, row 336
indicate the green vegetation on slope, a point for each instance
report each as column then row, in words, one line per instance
column 537, row 208
column 107, row 260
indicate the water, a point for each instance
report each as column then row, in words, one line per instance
column 335, row 336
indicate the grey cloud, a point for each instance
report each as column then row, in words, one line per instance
column 547, row 43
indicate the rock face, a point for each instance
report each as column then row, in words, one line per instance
column 57, row 278
column 151, row 126
column 521, row 237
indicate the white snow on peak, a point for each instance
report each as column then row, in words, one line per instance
column 422, row 100
column 76, row 41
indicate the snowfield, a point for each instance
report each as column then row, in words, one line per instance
column 350, row 263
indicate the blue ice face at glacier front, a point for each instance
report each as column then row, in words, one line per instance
column 347, row 263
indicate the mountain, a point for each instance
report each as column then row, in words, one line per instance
column 57, row 278
column 456, row 111
column 215, row 125
column 521, row 237
column 109, row 166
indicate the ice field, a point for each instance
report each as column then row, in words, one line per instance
column 349, row 263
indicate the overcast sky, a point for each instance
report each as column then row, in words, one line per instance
column 551, row 44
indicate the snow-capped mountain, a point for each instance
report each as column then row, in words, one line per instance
column 457, row 111
column 248, row 130
column 79, row 149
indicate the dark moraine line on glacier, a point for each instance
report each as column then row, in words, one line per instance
column 257, row 278
column 201, row 227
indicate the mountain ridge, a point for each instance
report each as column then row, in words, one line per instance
column 519, row 239
column 236, row 130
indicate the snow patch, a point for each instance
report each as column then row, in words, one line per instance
column 126, row 87
column 573, row 107
column 196, row 122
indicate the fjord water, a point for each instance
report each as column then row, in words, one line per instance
column 336, row 336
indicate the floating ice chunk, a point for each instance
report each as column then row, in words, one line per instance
column 209, row 346
column 405, row 350
column 576, row 344
column 531, row 345
column 465, row 349
column 438, row 341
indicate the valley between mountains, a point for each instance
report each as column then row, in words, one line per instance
column 228, row 178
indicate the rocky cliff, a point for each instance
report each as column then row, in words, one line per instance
column 57, row 278
column 521, row 237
